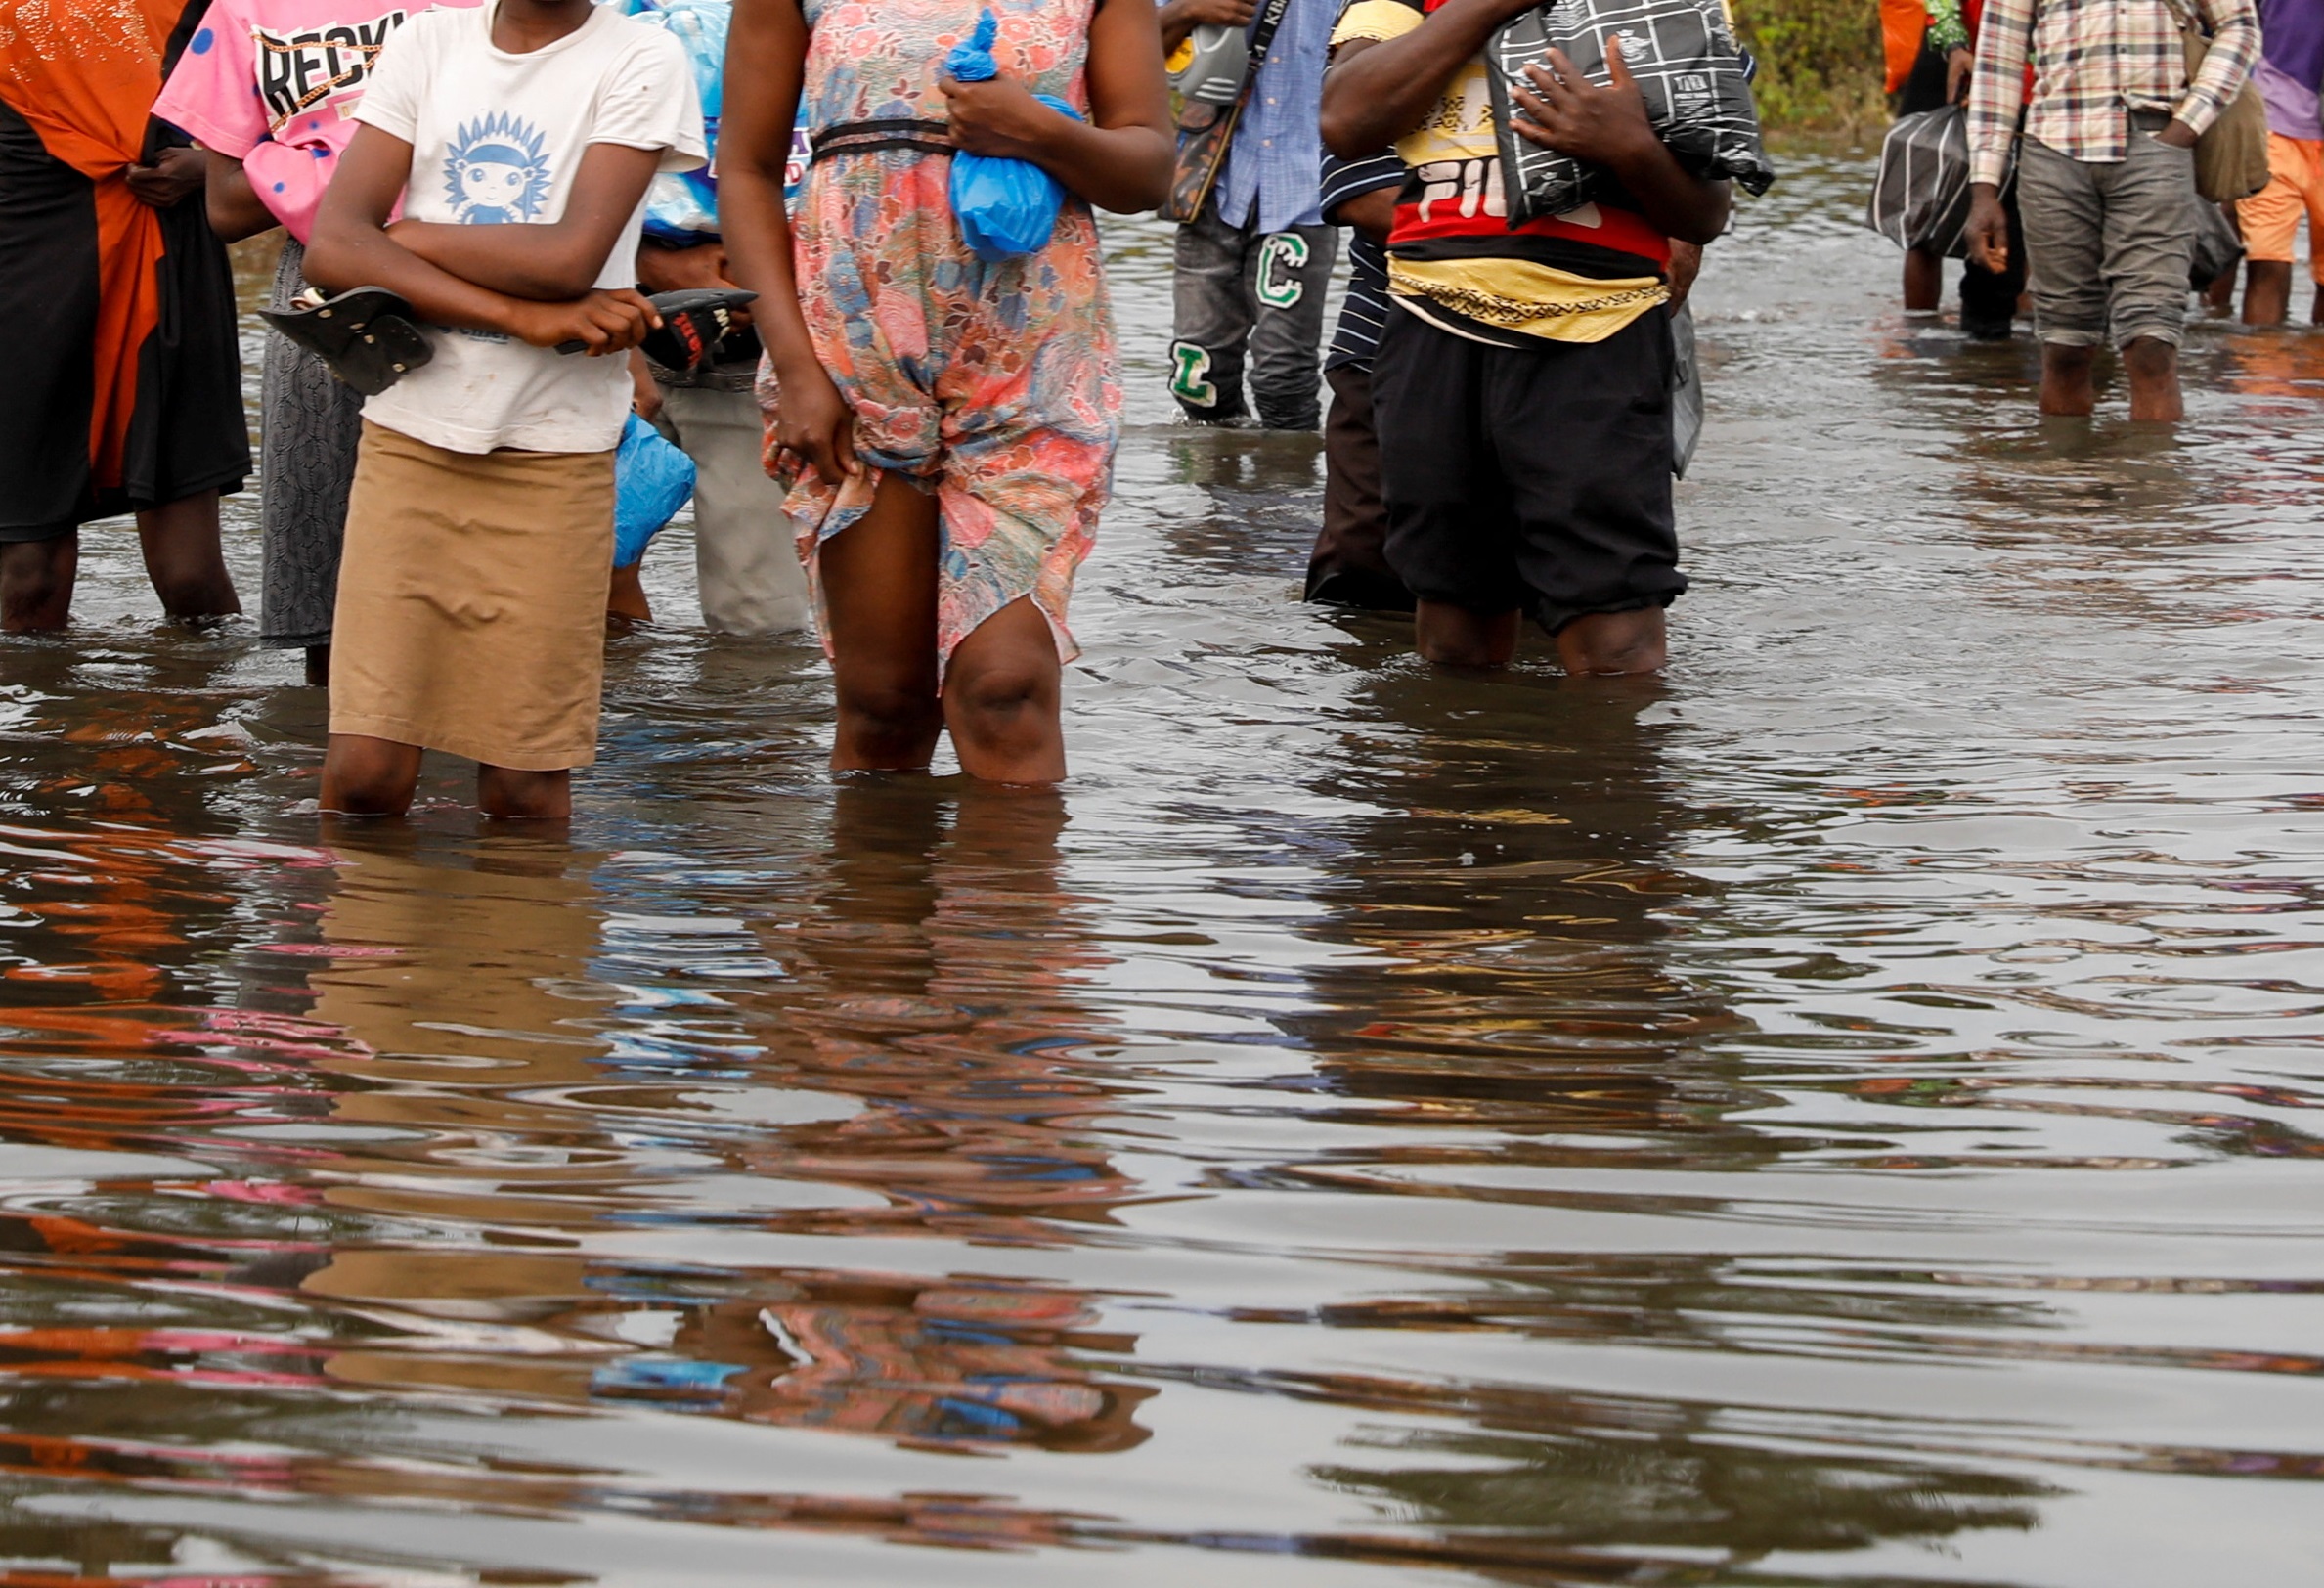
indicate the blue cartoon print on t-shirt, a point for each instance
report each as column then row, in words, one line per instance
column 497, row 173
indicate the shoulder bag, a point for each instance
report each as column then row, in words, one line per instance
column 1207, row 131
column 2231, row 154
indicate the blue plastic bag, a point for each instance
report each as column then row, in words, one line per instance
column 683, row 206
column 1006, row 207
column 651, row 481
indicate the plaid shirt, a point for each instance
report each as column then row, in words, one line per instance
column 2095, row 62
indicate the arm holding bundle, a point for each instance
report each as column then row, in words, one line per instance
column 1607, row 127
column 1378, row 90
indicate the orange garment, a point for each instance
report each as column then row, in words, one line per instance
column 2270, row 217
column 1901, row 24
column 84, row 76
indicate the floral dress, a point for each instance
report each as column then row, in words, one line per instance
column 997, row 386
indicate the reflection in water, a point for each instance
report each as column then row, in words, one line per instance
column 1843, row 1113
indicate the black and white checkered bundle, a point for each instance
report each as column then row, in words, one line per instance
column 1693, row 75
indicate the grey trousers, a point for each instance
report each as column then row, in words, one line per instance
column 1246, row 298
column 744, row 555
column 2108, row 244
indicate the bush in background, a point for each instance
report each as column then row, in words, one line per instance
column 1819, row 67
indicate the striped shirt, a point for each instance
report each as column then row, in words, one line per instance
column 1366, row 308
column 2095, row 62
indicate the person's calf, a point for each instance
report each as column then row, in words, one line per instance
column 626, row 601
column 37, row 584
column 1455, row 637
column 1615, row 644
column 185, row 560
column 365, row 776
column 2267, row 291
column 1924, row 281
column 505, row 794
column 318, row 667
column 2067, row 389
column 2152, row 364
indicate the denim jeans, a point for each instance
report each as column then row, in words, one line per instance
column 1251, row 298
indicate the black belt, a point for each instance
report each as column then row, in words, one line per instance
column 886, row 132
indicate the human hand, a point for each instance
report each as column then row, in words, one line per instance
column 1573, row 116
column 998, row 116
column 814, row 423
column 604, row 322
column 1194, row 14
column 176, row 175
column 1957, row 65
column 1989, row 227
column 2179, row 135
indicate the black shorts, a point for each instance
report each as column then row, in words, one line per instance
column 1536, row 478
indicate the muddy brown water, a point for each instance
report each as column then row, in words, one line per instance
column 1842, row 1115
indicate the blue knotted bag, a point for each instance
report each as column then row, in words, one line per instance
column 651, row 481
column 1006, row 207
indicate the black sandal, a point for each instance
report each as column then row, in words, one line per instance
column 364, row 336
column 693, row 324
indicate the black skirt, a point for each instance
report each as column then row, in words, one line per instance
column 187, row 434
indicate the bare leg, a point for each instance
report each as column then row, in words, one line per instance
column 1603, row 644
column 627, row 599
column 2316, row 309
column 878, row 584
column 2066, row 387
column 2267, row 291
column 1455, row 637
column 1001, row 699
column 1924, row 282
column 319, row 666
column 36, row 583
column 185, row 560
column 364, row 776
column 508, row 795
column 2153, row 364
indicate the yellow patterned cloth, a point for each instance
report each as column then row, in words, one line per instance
column 1538, row 300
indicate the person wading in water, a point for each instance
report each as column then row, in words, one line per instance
column 946, row 426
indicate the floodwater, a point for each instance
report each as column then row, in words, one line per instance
column 1842, row 1115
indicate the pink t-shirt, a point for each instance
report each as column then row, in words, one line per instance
column 274, row 83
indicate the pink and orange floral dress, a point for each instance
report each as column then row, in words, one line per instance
column 997, row 386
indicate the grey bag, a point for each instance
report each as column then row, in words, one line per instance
column 2217, row 249
column 1686, row 391
column 1921, row 199
column 1693, row 76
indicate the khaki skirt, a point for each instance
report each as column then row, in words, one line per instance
column 471, row 605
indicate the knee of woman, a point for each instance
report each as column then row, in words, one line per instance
column 1000, row 691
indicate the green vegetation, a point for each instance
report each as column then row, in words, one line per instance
column 1819, row 62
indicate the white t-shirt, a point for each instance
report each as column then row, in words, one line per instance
column 497, row 138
